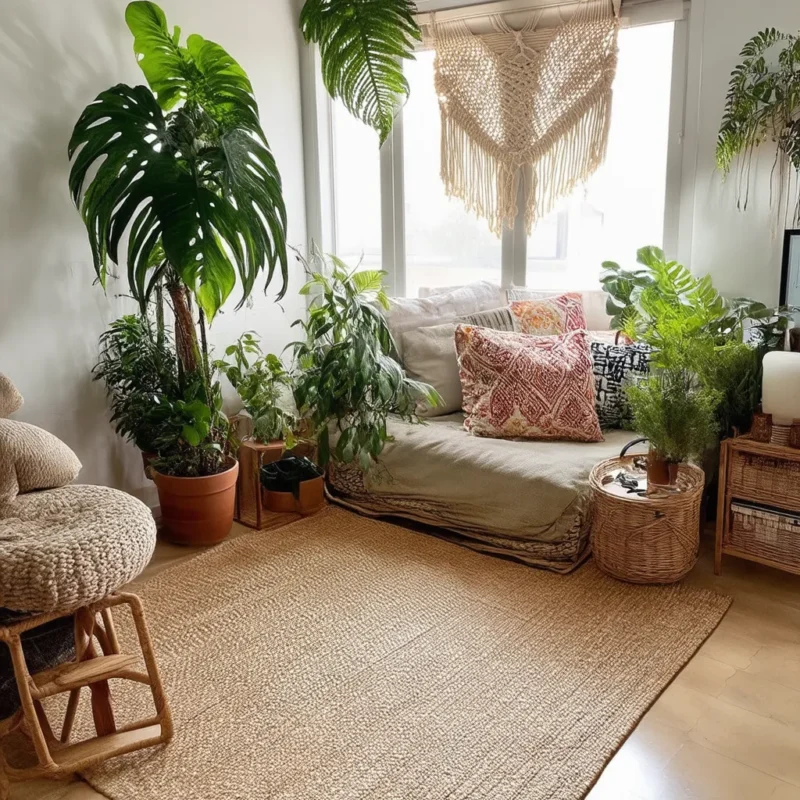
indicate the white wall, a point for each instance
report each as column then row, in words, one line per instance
column 55, row 57
column 741, row 250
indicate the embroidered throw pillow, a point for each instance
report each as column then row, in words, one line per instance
column 615, row 367
column 518, row 386
column 550, row 315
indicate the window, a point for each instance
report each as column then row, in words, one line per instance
column 444, row 244
column 426, row 240
column 621, row 208
column 356, row 190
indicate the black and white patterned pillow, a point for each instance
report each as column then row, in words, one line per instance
column 615, row 367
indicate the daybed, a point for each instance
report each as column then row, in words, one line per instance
column 523, row 499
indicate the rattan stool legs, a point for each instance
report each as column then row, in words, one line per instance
column 56, row 756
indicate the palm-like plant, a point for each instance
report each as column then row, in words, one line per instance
column 183, row 168
column 362, row 43
column 763, row 104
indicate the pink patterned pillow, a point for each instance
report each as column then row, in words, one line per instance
column 527, row 387
column 550, row 315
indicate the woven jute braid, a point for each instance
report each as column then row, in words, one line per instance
column 70, row 547
column 515, row 99
column 646, row 540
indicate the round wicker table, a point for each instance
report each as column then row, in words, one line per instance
column 650, row 538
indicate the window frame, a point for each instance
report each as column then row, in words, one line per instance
column 320, row 174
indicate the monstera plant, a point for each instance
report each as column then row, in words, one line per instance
column 362, row 43
column 182, row 170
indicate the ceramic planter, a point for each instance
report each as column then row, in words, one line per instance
column 197, row 511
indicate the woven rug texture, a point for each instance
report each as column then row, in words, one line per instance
column 343, row 658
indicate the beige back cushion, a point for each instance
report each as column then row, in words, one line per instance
column 430, row 357
column 31, row 459
column 10, row 398
column 407, row 314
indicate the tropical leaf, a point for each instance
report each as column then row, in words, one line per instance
column 362, row 44
column 196, row 189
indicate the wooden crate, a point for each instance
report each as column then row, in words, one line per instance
column 250, row 510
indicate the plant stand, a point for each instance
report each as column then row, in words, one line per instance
column 56, row 757
column 250, row 510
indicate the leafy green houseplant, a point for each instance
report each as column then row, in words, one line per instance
column 362, row 43
column 261, row 381
column 347, row 382
column 690, row 326
column 182, row 168
column 763, row 105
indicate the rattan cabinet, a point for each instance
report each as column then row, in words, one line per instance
column 758, row 508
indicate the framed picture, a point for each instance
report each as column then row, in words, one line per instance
column 790, row 275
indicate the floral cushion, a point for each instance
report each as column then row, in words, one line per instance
column 549, row 316
column 527, row 387
column 615, row 367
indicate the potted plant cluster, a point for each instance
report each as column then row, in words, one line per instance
column 706, row 356
column 184, row 170
column 347, row 381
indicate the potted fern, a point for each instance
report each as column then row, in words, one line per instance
column 183, row 168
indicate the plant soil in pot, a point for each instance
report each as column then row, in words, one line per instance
column 197, row 511
column 293, row 485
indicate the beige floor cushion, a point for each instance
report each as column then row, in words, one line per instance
column 68, row 547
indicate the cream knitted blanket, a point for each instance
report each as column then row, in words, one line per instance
column 524, row 105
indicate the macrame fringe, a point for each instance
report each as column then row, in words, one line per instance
column 510, row 109
column 489, row 186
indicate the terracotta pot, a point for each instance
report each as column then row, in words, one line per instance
column 311, row 499
column 661, row 472
column 197, row 511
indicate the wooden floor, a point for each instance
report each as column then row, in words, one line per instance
column 728, row 728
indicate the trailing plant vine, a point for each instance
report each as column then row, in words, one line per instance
column 763, row 105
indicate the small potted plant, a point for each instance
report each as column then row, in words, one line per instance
column 677, row 416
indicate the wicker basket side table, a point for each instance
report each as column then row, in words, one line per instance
column 645, row 539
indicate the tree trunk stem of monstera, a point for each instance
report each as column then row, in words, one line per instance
column 185, row 333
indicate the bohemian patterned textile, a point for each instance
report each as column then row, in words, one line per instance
column 529, row 98
column 549, row 316
column 527, row 387
column 615, row 367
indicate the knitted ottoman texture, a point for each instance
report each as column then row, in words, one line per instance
column 66, row 548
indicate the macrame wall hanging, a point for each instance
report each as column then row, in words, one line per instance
column 525, row 105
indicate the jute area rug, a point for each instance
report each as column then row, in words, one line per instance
column 343, row 658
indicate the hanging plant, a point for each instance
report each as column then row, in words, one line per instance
column 362, row 44
column 763, row 105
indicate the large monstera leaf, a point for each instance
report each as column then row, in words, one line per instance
column 185, row 170
column 362, row 44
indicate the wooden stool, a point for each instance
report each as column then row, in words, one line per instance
column 56, row 756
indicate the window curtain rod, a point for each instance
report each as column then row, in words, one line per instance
column 632, row 12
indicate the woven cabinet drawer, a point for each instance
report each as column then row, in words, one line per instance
column 764, row 533
column 773, row 479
